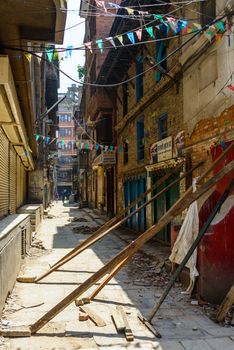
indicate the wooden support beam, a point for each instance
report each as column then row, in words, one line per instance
column 95, row 238
column 108, row 278
column 226, row 305
column 99, row 234
column 188, row 198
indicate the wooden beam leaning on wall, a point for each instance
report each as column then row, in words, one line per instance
column 188, row 198
column 111, row 224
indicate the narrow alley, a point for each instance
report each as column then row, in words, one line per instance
column 182, row 324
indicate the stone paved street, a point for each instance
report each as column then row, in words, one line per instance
column 183, row 326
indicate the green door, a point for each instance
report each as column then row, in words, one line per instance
column 164, row 203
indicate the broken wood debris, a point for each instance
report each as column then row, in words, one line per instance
column 83, row 316
column 93, row 316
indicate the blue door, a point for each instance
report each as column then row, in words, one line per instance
column 142, row 213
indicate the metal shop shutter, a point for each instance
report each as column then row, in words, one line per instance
column 12, row 180
column 4, row 174
column 23, row 177
column 18, row 191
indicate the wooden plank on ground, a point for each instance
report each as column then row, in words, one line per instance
column 95, row 318
column 128, row 332
column 16, row 332
column 118, row 320
column 226, row 305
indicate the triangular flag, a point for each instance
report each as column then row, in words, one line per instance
column 49, row 53
column 230, row 87
column 102, row 4
column 106, row 148
column 209, row 35
column 97, row 146
column 89, row 46
column 120, row 38
column 197, row 25
column 111, row 40
column 100, row 45
column 37, row 137
column 131, row 37
column 129, row 10
column 113, row 5
column 116, row 148
column 62, row 142
column 218, row 37
column 28, row 56
column 111, row 148
column 139, row 34
column 158, row 17
column 120, row 148
column 150, row 31
column 221, row 26
column 69, row 50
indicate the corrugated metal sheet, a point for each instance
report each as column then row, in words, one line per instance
column 18, row 192
column 4, row 174
column 12, row 180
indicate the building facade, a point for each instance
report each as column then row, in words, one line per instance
column 23, row 89
column 66, row 143
column 171, row 104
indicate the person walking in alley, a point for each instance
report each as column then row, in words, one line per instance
column 64, row 196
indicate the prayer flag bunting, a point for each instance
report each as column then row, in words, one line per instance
column 100, row 44
column 89, row 46
column 120, row 38
column 139, row 34
column 150, row 31
column 111, row 40
column 50, row 53
column 221, row 26
column 230, row 87
column 131, row 37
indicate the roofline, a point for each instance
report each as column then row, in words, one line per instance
column 60, row 24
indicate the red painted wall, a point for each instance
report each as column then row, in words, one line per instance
column 216, row 250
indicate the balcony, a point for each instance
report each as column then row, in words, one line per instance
column 67, row 152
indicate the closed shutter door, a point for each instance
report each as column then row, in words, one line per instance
column 22, row 184
column 4, row 174
column 18, row 192
column 12, row 181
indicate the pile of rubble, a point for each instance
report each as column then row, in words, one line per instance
column 84, row 229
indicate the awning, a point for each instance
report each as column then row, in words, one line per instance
column 171, row 163
column 11, row 119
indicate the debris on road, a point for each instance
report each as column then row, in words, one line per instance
column 84, row 229
column 76, row 219
column 83, row 316
column 93, row 316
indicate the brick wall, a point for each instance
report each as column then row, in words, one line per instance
column 170, row 102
